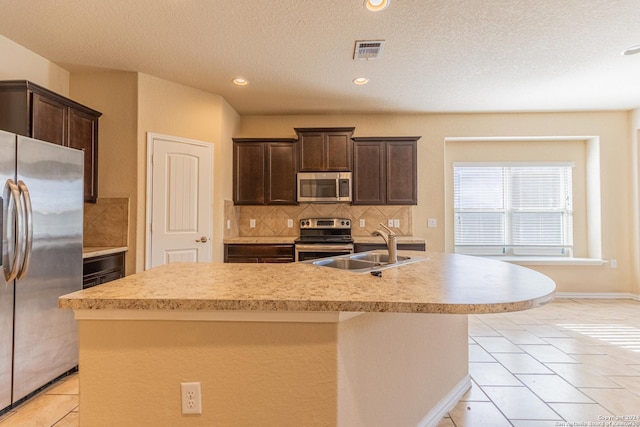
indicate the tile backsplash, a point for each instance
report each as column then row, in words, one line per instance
column 273, row 220
column 106, row 222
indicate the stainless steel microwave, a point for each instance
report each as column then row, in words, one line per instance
column 324, row 187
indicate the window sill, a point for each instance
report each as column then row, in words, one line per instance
column 531, row 260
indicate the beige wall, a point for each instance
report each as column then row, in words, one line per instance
column 134, row 104
column 114, row 94
column 634, row 139
column 417, row 359
column 610, row 127
column 19, row 63
column 382, row 369
column 171, row 109
column 246, row 370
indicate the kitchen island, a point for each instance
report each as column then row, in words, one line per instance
column 289, row 344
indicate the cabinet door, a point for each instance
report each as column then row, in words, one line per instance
column 338, row 149
column 14, row 110
column 369, row 173
column 401, row 170
column 83, row 135
column 281, row 174
column 249, row 173
column 49, row 122
column 258, row 253
column 236, row 260
column 311, row 146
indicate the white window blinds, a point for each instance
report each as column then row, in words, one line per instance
column 510, row 209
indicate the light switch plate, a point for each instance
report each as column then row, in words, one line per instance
column 362, row 223
column 252, row 223
column 432, row 223
column 390, row 223
column 396, row 223
column 228, row 224
column 290, row 223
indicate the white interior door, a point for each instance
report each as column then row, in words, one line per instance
column 181, row 182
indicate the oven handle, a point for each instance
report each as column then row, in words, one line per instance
column 322, row 247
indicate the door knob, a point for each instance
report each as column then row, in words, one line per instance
column 202, row 240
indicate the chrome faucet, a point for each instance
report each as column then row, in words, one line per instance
column 391, row 239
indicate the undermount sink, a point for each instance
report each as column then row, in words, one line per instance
column 363, row 262
column 377, row 257
column 345, row 263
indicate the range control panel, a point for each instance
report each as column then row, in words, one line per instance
column 315, row 223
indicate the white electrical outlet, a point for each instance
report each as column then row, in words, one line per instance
column 289, row 223
column 432, row 223
column 389, row 223
column 362, row 223
column 396, row 223
column 191, row 398
column 613, row 263
column 252, row 223
column 228, row 224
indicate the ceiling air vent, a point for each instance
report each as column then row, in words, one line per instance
column 368, row 49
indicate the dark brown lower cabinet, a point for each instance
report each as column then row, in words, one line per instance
column 364, row 247
column 255, row 253
column 102, row 269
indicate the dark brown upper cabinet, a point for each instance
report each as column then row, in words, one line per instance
column 264, row 171
column 385, row 171
column 324, row 149
column 33, row 111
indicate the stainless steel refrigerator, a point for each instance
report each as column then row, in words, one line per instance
column 42, row 205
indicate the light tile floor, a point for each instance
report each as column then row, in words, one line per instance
column 55, row 406
column 572, row 362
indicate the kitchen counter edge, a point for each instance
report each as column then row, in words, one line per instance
column 94, row 251
column 290, row 240
column 444, row 283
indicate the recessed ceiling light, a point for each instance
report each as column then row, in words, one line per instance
column 376, row 5
column 361, row 80
column 240, row 81
column 632, row 50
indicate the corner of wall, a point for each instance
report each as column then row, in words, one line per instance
column 27, row 65
column 634, row 138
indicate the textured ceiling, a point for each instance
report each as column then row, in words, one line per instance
column 439, row 56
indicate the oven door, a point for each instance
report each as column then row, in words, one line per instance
column 307, row 251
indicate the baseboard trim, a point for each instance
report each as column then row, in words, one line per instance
column 446, row 404
column 598, row 295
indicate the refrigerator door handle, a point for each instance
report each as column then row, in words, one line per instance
column 12, row 229
column 28, row 228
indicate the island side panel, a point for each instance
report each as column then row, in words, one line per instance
column 267, row 374
column 395, row 369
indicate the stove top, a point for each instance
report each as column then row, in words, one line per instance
column 325, row 230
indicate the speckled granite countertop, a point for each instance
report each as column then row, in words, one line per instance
column 377, row 239
column 93, row 251
column 261, row 240
column 443, row 283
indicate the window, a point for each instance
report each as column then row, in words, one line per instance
column 513, row 209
